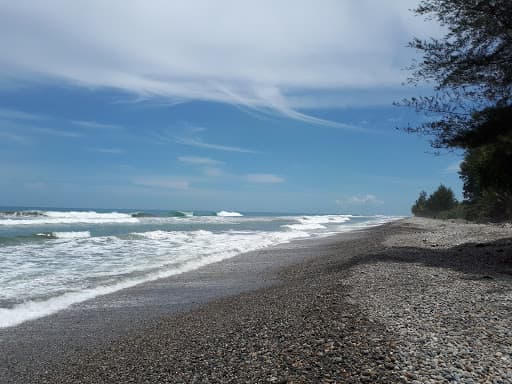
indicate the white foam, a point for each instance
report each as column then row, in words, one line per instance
column 229, row 214
column 65, row 235
column 72, row 235
column 324, row 219
column 45, row 277
column 316, row 222
column 304, row 227
column 71, row 217
column 110, row 263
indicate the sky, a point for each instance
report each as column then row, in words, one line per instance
column 258, row 106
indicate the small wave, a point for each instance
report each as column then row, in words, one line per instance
column 72, row 235
column 28, row 213
column 68, row 217
column 168, row 214
column 180, row 214
column 47, row 235
column 324, row 219
column 205, row 213
column 173, row 252
column 141, row 214
column 65, row 235
column 173, row 235
column 228, row 214
column 304, row 227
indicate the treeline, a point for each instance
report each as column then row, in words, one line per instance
column 486, row 206
column 441, row 204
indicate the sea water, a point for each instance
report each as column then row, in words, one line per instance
column 52, row 259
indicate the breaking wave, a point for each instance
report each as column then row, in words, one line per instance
column 100, row 265
column 65, row 217
column 65, row 235
column 229, row 214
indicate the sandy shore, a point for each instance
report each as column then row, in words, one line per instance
column 413, row 301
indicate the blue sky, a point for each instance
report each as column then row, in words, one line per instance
column 260, row 107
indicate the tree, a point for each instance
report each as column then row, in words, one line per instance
column 487, row 177
column 470, row 67
column 420, row 206
column 440, row 201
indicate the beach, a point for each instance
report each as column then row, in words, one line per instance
column 417, row 301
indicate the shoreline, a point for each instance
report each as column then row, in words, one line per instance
column 34, row 346
column 348, row 308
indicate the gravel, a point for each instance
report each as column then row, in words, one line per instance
column 450, row 309
column 408, row 302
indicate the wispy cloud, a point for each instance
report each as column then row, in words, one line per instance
column 213, row 171
column 14, row 114
column 111, row 151
column 195, row 142
column 367, row 199
column 171, row 54
column 161, row 182
column 264, row 178
column 56, row 132
column 11, row 136
column 196, row 160
column 23, row 132
column 95, row 125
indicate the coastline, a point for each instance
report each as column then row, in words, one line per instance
column 35, row 346
column 340, row 309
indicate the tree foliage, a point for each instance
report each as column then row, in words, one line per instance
column 487, row 176
column 441, row 200
column 470, row 68
column 420, row 206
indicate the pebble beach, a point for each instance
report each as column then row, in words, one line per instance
column 414, row 301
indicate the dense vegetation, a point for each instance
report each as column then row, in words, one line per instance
column 440, row 204
column 471, row 109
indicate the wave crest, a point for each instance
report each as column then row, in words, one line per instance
column 229, row 214
column 66, row 217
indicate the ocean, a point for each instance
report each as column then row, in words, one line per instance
column 51, row 259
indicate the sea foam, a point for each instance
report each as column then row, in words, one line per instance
column 67, row 217
column 39, row 278
column 229, row 214
column 83, row 268
column 65, row 235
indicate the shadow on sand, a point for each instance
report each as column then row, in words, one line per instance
column 485, row 260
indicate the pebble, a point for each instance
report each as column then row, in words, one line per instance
column 400, row 306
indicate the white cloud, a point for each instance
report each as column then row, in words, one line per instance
column 95, row 124
column 196, row 142
column 196, row 160
column 14, row 127
column 112, row 151
column 162, row 182
column 253, row 54
column 56, row 132
column 360, row 200
column 14, row 114
column 267, row 178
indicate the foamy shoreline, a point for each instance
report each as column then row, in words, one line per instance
column 45, row 269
